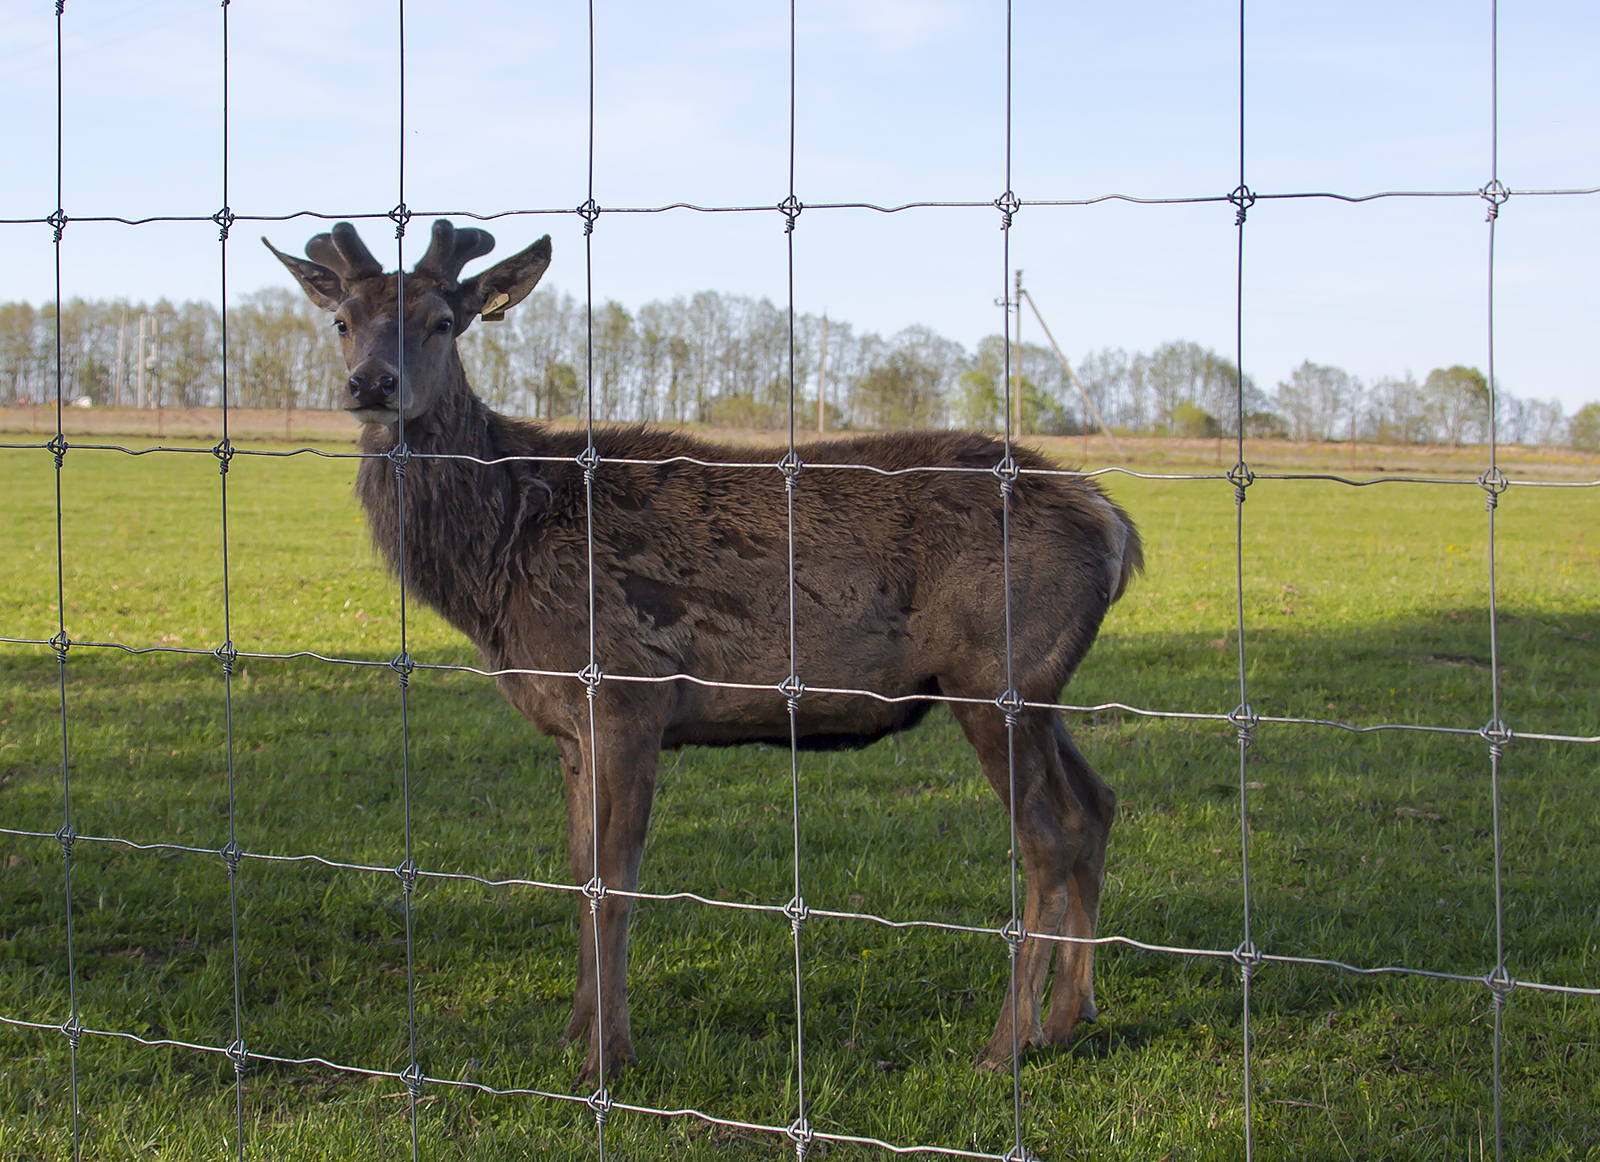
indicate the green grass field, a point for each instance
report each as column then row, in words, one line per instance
column 1365, row 605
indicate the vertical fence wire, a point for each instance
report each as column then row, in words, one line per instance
column 225, row 652
column 73, row 1028
column 402, row 665
column 1010, row 700
column 1493, row 484
column 1246, row 955
column 600, row 1100
column 800, row 1128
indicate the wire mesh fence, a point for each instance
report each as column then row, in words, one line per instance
column 790, row 688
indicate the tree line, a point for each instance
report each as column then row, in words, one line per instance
column 723, row 360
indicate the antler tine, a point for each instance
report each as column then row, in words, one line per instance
column 451, row 249
column 344, row 253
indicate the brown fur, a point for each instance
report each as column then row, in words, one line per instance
column 897, row 589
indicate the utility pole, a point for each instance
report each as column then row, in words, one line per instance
column 117, row 377
column 139, row 366
column 1018, row 394
column 1073, row 375
column 822, row 380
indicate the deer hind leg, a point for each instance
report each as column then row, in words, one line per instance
column 1072, row 996
column 581, row 859
column 1049, row 837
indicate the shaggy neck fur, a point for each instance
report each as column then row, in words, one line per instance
column 468, row 527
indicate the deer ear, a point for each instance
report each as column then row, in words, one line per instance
column 322, row 286
column 495, row 291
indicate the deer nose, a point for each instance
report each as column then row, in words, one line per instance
column 371, row 390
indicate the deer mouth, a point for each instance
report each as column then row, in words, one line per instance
column 388, row 417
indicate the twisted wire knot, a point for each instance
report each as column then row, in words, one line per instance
column 792, row 688
column 1008, row 204
column 798, row 912
column 1497, row 734
column 1241, row 477
column 59, row 219
column 790, row 208
column 66, row 837
column 790, row 466
column 1248, row 959
column 1496, row 194
column 230, row 854
column 588, row 460
column 240, row 1057
column 227, row 655
column 1245, row 720
column 1012, row 704
column 1007, row 472
column 61, row 643
column 591, row 677
column 407, row 873
column 594, row 891
column 589, row 211
column 600, row 1103
column 799, row 1132
column 1242, row 198
column 58, row 445
column 402, row 665
column 400, row 216
column 224, row 454
column 1019, row 1154
column 412, row 1076
column 1500, row 983
column 223, row 218
column 399, row 456
column 73, row 1028
column 1013, row 933
column 1493, row 482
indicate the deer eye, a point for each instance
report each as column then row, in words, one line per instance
column 442, row 327
column 339, row 324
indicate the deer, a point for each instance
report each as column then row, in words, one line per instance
column 898, row 589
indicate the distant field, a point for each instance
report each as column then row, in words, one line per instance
column 1366, row 605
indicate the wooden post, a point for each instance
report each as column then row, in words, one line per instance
column 117, row 375
column 821, row 383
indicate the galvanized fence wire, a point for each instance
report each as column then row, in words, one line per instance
column 1243, row 719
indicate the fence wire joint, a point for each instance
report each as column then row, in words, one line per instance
column 66, row 837
column 1013, row 933
column 58, row 446
column 594, row 891
column 407, row 874
column 412, row 1076
column 58, row 220
column 1498, row 735
column 402, row 665
column 1012, row 704
column 1493, row 482
column 1496, row 194
column 1008, row 204
column 230, row 854
column 589, row 211
column 792, row 688
column 790, row 208
column 400, row 216
column 239, row 1056
column 1242, row 198
column 227, row 655
column 588, row 460
column 790, row 466
column 1006, row 472
column 61, row 643
column 72, row 1027
column 1245, row 720
column 224, row 454
column 600, row 1103
column 1248, row 959
column 399, row 456
column 798, row 912
column 1501, row 984
column 799, row 1132
column 224, row 220
column 1019, row 1154
column 1241, row 477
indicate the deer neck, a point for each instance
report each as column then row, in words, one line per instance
column 454, row 527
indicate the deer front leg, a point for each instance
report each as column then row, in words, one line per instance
column 623, row 790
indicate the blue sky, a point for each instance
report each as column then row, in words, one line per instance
column 897, row 101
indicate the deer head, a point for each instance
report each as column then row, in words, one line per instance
column 343, row 277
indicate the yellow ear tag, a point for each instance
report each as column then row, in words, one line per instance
column 495, row 309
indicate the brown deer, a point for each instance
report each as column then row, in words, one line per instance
column 897, row 589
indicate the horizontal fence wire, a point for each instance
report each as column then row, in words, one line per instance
column 1243, row 719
